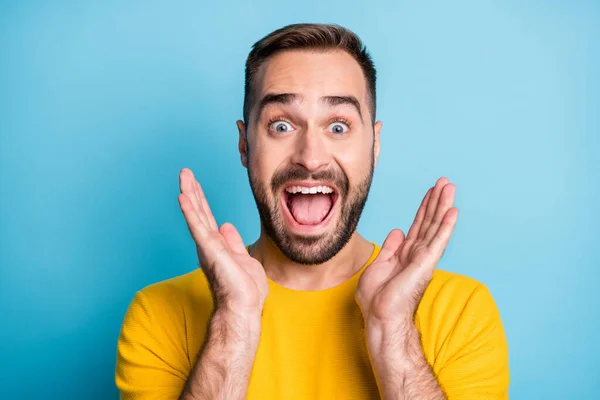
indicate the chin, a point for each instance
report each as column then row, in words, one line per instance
column 312, row 248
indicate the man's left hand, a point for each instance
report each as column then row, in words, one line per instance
column 391, row 288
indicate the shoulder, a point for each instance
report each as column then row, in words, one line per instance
column 445, row 280
column 463, row 337
column 186, row 288
column 458, row 313
column 451, row 295
column 170, row 303
column 161, row 328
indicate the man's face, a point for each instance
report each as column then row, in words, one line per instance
column 310, row 149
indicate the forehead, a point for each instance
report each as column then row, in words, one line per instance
column 312, row 74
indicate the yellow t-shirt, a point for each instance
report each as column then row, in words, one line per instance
column 312, row 342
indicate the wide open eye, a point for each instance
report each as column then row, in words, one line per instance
column 281, row 127
column 338, row 128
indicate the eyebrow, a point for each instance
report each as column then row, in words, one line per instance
column 287, row 98
column 339, row 100
column 275, row 98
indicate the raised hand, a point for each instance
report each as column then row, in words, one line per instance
column 391, row 288
column 238, row 281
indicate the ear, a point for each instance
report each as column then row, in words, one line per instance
column 376, row 143
column 242, row 143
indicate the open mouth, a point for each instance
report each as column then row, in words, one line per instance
column 309, row 206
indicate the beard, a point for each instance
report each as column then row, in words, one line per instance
column 316, row 249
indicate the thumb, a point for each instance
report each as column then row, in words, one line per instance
column 391, row 244
column 232, row 238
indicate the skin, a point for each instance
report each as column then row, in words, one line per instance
column 311, row 75
column 388, row 291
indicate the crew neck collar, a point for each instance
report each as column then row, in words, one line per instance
column 349, row 283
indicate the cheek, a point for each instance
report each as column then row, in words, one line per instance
column 263, row 161
column 356, row 161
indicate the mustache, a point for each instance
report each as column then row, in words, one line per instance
column 297, row 173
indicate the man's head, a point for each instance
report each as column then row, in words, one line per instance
column 309, row 126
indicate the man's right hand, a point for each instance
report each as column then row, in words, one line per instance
column 238, row 281
column 239, row 286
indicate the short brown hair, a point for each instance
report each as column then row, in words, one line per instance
column 314, row 37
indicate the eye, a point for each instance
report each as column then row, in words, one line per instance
column 338, row 128
column 281, row 126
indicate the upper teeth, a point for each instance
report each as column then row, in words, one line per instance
column 309, row 190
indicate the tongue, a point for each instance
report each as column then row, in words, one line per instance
column 310, row 209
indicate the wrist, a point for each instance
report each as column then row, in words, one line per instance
column 398, row 363
column 397, row 342
column 225, row 361
column 237, row 310
column 396, row 330
column 235, row 326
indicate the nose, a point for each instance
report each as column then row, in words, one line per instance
column 311, row 150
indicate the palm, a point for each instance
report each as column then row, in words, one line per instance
column 237, row 280
column 254, row 271
column 395, row 281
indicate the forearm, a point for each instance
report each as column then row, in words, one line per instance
column 401, row 370
column 225, row 362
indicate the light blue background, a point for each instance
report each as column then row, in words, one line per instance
column 101, row 104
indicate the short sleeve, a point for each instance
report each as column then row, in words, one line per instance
column 477, row 362
column 151, row 364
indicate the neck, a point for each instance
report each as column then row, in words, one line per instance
column 296, row 276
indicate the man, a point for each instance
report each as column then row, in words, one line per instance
column 312, row 310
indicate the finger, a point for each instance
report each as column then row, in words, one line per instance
column 445, row 203
column 191, row 185
column 197, row 228
column 186, row 186
column 232, row 238
column 431, row 206
column 204, row 204
column 413, row 232
column 391, row 244
column 442, row 236
column 210, row 244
